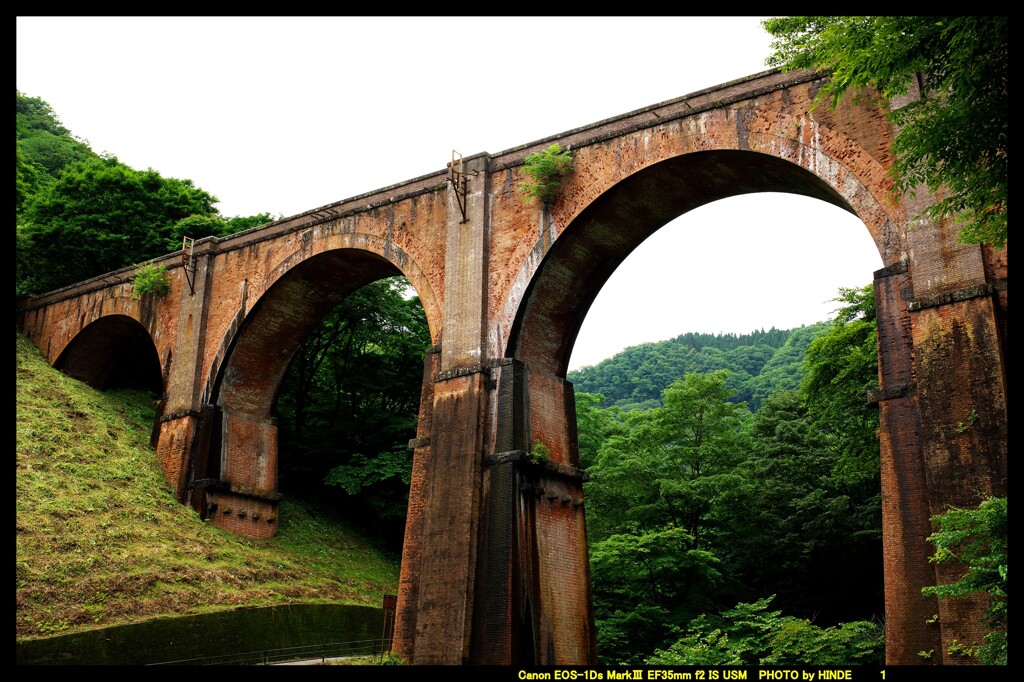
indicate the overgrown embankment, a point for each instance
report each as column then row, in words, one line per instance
column 101, row 539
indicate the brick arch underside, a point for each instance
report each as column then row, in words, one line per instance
column 282, row 319
column 603, row 235
column 114, row 351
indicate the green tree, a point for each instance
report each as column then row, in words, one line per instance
column 840, row 368
column 198, row 226
column 792, row 528
column 695, row 503
column 955, row 140
column 51, row 153
column 33, row 114
column 26, row 180
column 101, row 215
column 80, row 215
column 651, row 514
column 976, row 538
column 701, row 437
column 645, row 582
column 668, row 464
column 44, row 146
column 595, row 425
column 806, row 523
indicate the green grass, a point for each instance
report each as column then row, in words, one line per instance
column 101, row 539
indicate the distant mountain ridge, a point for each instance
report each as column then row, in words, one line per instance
column 761, row 363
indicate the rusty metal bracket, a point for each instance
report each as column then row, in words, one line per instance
column 188, row 262
column 457, row 177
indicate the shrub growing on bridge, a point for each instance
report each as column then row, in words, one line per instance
column 547, row 169
column 151, row 279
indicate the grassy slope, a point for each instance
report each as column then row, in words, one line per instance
column 102, row 540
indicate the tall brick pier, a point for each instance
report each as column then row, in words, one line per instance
column 495, row 566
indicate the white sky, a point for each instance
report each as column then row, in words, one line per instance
column 281, row 115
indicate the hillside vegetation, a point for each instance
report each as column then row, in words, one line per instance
column 759, row 363
column 101, row 539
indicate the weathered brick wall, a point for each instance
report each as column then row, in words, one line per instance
column 962, row 395
column 552, row 417
column 565, row 629
column 242, row 514
column 249, row 455
column 446, row 495
column 415, row 518
column 905, row 508
column 173, row 450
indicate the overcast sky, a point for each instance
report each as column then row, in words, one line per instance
column 281, row 115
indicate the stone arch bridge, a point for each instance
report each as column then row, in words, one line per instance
column 495, row 566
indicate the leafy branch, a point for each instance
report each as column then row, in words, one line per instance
column 976, row 538
column 953, row 141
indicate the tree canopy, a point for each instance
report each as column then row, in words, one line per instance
column 749, row 634
column 841, row 367
column 43, row 148
column 80, row 214
column 954, row 140
column 101, row 215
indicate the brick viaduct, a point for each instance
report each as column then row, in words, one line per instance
column 495, row 567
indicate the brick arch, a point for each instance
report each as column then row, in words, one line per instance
column 391, row 260
column 856, row 168
column 568, row 277
column 73, row 316
column 113, row 351
column 240, row 451
column 293, row 303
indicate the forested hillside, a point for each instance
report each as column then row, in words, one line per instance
column 706, row 518
column 759, row 363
